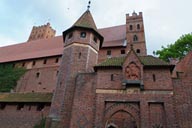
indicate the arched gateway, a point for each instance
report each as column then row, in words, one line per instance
column 122, row 116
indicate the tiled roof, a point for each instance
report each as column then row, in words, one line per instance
column 145, row 60
column 33, row 49
column 86, row 20
column 25, row 97
column 54, row 46
column 113, row 36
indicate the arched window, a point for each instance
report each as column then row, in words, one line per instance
column 37, row 75
column 138, row 26
column 135, row 38
column 130, row 27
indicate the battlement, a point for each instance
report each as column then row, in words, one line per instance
column 42, row 32
column 134, row 15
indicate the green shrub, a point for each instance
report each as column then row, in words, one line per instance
column 9, row 76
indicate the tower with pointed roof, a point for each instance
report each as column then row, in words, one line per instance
column 81, row 45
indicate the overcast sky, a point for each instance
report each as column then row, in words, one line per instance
column 164, row 20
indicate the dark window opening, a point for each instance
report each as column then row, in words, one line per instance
column 108, row 52
column 130, row 27
column 80, row 55
column 122, row 51
column 2, row 106
column 57, row 60
column 37, row 75
column 83, row 35
column 39, row 83
column 40, row 106
column 23, row 64
column 112, row 77
column 95, row 39
column 138, row 26
column 45, row 61
column 20, row 106
column 154, row 78
column 57, row 73
column 34, row 63
column 135, row 38
column 138, row 51
column 70, row 35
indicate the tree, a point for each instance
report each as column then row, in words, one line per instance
column 9, row 76
column 177, row 50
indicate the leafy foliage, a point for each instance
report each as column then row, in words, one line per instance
column 177, row 50
column 9, row 76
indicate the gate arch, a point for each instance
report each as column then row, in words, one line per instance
column 130, row 112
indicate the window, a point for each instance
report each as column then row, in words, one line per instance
column 83, row 35
column 130, row 27
column 108, row 52
column 45, row 61
column 57, row 73
column 33, row 63
column 2, row 106
column 154, row 78
column 20, row 106
column 70, row 35
column 135, row 38
column 23, row 64
column 37, row 75
column 138, row 26
column 138, row 51
column 40, row 106
column 57, row 60
column 95, row 39
column 122, row 52
column 112, row 77
column 80, row 55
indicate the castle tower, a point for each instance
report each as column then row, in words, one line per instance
column 135, row 33
column 81, row 46
column 42, row 32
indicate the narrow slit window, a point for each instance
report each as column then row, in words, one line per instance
column 80, row 55
column 154, row 78
column 34, row 63
column 57, row 60
column 112, row 77
column 37, row 75
column 45, row 61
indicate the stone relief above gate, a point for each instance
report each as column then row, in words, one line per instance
column 132, row 72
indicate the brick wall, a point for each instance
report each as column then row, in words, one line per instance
column 27, row 117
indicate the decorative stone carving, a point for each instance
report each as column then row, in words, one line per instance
column 132, row 72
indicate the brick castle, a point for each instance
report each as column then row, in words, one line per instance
column 95, row 78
